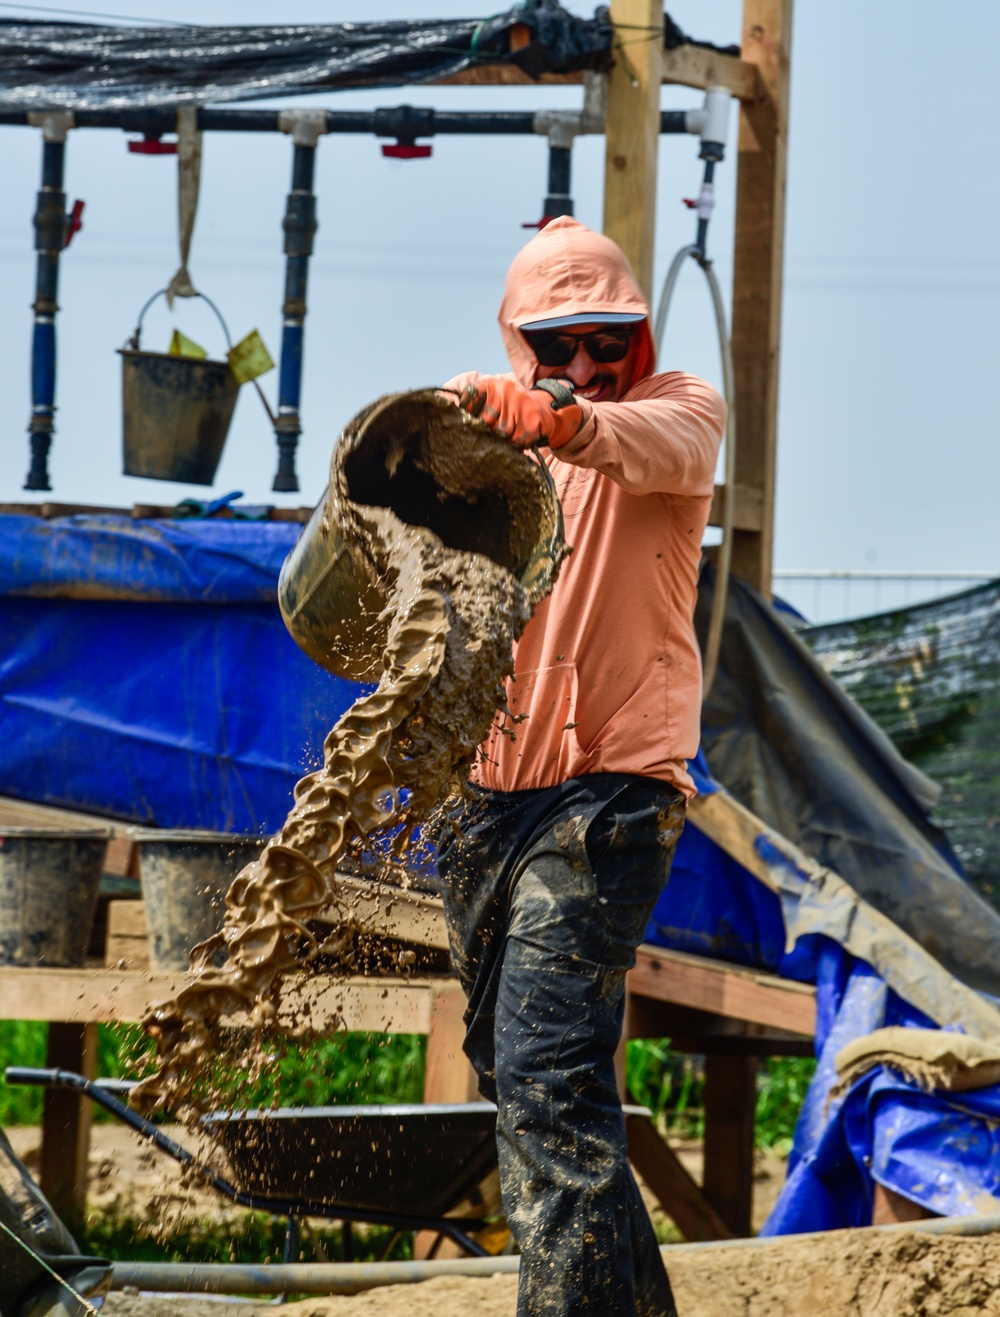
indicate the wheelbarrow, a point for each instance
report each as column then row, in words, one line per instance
column 401, row 1166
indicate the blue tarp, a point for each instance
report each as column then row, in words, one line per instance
column 155, row 681
column 145, row 674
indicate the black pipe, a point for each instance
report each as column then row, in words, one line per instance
column 701, row 239
column 673, row 121
column 50, row 239
column 300, row 228
column 559, row 201
column 388, row 122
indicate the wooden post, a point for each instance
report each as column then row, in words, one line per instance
column 448, row 1076
column 730, row 1101
column 632, row 132
column 66, row 1122
column 757, row 273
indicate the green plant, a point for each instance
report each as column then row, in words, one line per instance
column 347, row 1067
column 782, row 1082
column 672, row 1086
column 250, row 1237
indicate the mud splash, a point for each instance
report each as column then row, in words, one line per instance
column 449, row 621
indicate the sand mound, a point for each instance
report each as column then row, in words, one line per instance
column 851, row 1273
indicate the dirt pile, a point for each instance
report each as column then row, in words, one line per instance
column 446, row 630
column 844, row 1274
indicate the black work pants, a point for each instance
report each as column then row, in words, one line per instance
column 547, row 894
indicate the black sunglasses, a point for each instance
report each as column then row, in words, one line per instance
column 555, row 348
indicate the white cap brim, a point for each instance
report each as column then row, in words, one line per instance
column 585, row 318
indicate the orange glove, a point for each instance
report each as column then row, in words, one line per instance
column 545, row 414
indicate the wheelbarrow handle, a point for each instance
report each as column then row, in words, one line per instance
column 19, row 1074
column 98, row 1093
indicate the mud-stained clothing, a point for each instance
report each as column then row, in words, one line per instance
column 547, row 894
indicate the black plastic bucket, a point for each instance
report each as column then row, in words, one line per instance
column 185, row 877
column 49, row 882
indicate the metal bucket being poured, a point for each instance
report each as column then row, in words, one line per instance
column 432, row 465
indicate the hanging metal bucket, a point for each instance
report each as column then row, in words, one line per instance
column 500, row 502
column 176, row 411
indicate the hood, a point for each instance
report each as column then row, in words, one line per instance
column 567, row 270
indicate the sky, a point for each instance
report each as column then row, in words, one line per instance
column 887, row 418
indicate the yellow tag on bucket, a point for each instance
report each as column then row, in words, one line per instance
column 182, row 346
column 249, row 358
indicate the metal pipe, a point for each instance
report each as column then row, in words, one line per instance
column 50, row 239
column 559, row 201
column 355, row 1277
column 300, row 228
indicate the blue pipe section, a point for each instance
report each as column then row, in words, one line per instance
column 290, row 376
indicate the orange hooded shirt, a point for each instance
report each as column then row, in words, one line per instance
column 608, row 670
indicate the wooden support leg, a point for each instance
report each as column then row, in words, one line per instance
column 889, row 1208
column 730, row 1099
column 676, row 1191
column 66, row 1122
column 448, row 1077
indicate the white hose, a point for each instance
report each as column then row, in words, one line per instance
column 713, row 641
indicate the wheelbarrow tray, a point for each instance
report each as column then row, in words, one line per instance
column 361, row 1158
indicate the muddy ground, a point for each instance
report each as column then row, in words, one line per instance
column 847, row 1274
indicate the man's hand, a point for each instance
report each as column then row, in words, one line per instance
column 524, row 416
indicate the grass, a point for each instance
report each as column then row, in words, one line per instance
column 672, row 1085
column 346, row 1068
column 364, row 1068
column 252, row 1237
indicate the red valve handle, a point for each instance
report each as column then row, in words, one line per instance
column 74, row 221
column 404, row 151
column 151, row 146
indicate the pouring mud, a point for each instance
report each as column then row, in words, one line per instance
column 420, row 569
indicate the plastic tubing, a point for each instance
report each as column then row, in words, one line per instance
column 713, row 641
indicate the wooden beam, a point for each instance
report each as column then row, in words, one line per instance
column 693, row 66
column 503, row 75
column 66, row 1122
column 632, row 132
column 727, row 990
column 748, row 509
column 395, row 912
column 670, row 1183
column 687, row 66
column 865, row 932
column 692, row 1030
column 81, row 996
column 26, row 814
column 757, row 273
column 730, row 1103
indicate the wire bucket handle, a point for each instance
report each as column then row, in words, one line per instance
column 133, row 342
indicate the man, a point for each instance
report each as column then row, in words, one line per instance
column 556, row 863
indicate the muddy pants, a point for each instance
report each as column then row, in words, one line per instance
column 547, row 894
